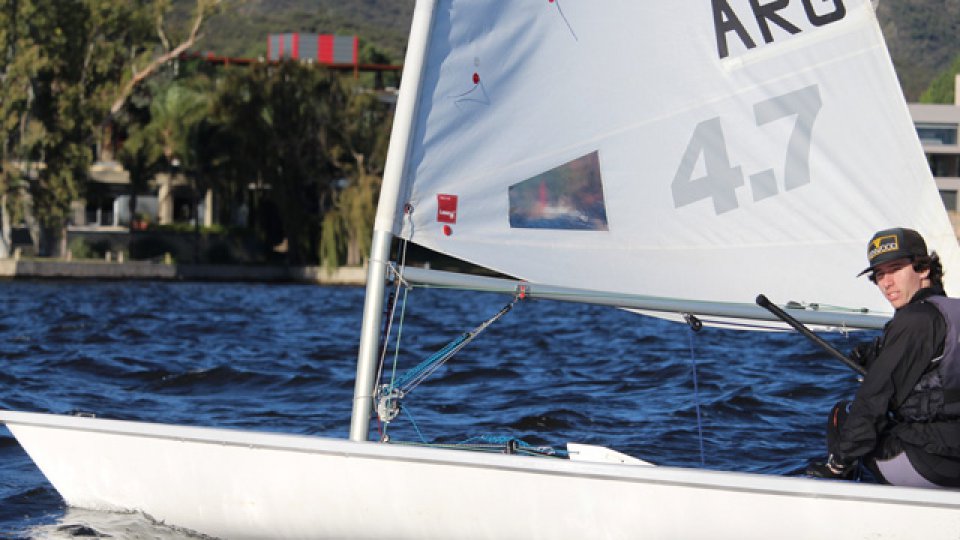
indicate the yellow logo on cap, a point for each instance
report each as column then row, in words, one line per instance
column 883, row 244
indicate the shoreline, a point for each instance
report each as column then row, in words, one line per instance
column 146, row 270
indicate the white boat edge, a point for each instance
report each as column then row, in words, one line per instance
column 232, row 483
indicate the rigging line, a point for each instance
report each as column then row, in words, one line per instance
column 419, row 373
column 384, row 390
column 503, row 444
column 564, row 17
column 409, row 380
column 523, row 448
column 391, row 312
column 388, row 314
column 415, row 426
column 696, row 326
column 396, row 350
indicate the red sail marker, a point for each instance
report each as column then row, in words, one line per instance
column 446, row 208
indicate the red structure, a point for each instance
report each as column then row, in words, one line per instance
column 322, row 48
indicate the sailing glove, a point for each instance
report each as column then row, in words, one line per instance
column 865, row 353
column 833, row 467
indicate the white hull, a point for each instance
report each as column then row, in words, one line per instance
column 238, row 484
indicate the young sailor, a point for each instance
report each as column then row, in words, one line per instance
column 904, row 422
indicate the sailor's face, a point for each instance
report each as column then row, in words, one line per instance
column 898, row 281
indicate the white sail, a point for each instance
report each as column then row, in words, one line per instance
column 682, row 149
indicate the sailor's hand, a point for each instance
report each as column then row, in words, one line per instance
column 832, row 467
column 865, row 353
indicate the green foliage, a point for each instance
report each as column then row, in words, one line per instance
column 347, row 229
column 284, row 122
column 81, row 248
column 923, row 37
column 64, row 60
column 942, row 88
column 189, row 228
column 175, row 112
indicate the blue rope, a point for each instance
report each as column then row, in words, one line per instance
column 493, row 439
column 424, row 366
column 696, row 397
column 523, row 446
column 415, row 427
column 418, row 373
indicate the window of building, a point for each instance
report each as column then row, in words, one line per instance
column 944, row 165
column 949, row 199
column 937, row 133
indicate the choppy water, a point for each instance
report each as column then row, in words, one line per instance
column 282, row 358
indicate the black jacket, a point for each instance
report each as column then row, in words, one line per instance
column 913, row 337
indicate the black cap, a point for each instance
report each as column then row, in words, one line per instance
column 892, row 244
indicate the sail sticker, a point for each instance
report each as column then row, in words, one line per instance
column 446, row 208
column 568, row 197
column 775, row 21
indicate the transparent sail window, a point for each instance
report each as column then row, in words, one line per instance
column 568, row 197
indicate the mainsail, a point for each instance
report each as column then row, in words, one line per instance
column 707, row 150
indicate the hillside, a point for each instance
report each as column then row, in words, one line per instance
column 923, row 35
column 242, row 27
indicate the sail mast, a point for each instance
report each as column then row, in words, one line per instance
column 387, row 213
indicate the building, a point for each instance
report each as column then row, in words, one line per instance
column 106, row 206
column 320, row 48
column 937, row 126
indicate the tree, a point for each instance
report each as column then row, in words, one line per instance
column 347, row 227
column 138, row 152
column 286, row 120
column 66, row 65
column 18, row 61
column 942, row 88
column 82, row 46
column 204, row 9
column 173, row 113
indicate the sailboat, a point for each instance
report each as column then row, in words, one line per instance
column 675, row 158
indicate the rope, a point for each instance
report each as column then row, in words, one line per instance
column 414, row 376
column 387, row 397
column 391, row 311
column 494, row 443
column 415, row 427
column 388, row 325
column 696, row 393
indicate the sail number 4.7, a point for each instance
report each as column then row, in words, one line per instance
column 722, row 178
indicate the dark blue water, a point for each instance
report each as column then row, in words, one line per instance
column 282, row 358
